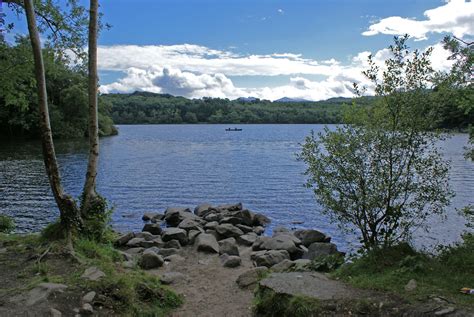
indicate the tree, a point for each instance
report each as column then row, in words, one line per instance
column 381, row 172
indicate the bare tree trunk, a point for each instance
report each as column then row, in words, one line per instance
column 90, row 184
column 69, row 213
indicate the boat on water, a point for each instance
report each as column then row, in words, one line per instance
column 233, row 129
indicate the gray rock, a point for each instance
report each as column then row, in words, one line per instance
column 228, row 246
column 259, row 241
column 89, row 297
column 411, row 285
column 214, row 233
column 317, row 249
column 150, row 260
column 445, row 311
column 147, row 216
column 86, row 310
column 173, row 216
column 125, row 256
column 260, row 220
column 128, row 264
column 212, row 217
column 232, row 220
column 175, row 234
column 165, row 252
column 283, row 266
column 153, row 228
column 201, row 209
column 172, row 277
column 134, row 251
column 244, row 228
column 228, row 231
column 152, row 243
column 54, row 313
column 135, row 242
column 42, row 292
column 308, row 237
column 301, row 265
column 189, row 224
column 288, row 235
column 145, row 235
column 93, row 274
column 259, row 230
column 230, row 261
column 280, row 229
column 124, row 238
column 269, row 258
column 245, row 216
column 192, row 234
column 173, row 244
column 174, row 258
column 247, row 239
column 211, row 225
column 207, row 243
column 251, row 277
column 230, row 207
column 280, row 242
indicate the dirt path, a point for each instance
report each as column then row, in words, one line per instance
column 209, row 289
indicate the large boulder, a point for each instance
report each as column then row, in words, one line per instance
column 282, row 242
column 150, row 260
column 251, row 277
column 228, row 246
column 308, row 237
column 175, row 234
column 246, row 216
column 202, row 209
column 145, row 235
column 247, row 239
column 259, row 230
column 174, row 244
column 230, row 260
column 260, row 220
column 317, row 249
column 152, row 216
column 227, row 230
column 153, row 228
column 124, row 238
column 192, row 234
column 232, row 220
column 173, row 215
column 212, row 216
column 207, row 243
column 259, row 241
column 269, row 258
column 244, row 228
column 229, row 207
column 135, row 242
column 189, row 224
column 211, row 225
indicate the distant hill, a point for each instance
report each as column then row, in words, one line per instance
column 286, row 99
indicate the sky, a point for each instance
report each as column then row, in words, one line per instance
column 269, row 49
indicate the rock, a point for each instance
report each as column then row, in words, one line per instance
column 145, row 235
column 201, row 209
column 189, row 224
column 228, row 231
column 192, row 234
column 245, row 216
column 280, row 229
column 42, row 292
column 212, row 217
column 257, row 245
column 86, row 310
column 135, row 242
column 411, row 285
column 259, row 230
column 251, row 277
column 147, row 216
column 228, row 246
column 230, row 261
column 232, row 220
column 244, row 228
column 317, row 249
column 230, row 207
column 247, row 239
column 284, row 265
column 125, row 256
column 165, row 252
column 174, row 244
column 150, row 260
column 134, row 251
column 173, row 216
column 445, row 311
column 54, row 312
column 288, row 235
column 175, row 234
column 301, row 265
column 89, row 297
column 280, row 242
column 269, row 258
column 308, row 237
column 211, row 225
column 124, row 238
column 214, row 233
column 93, row 274
column 260, row 220
column 128, row 264
column 153, row 228
column 171, row 277
column 152, row 243
column 207, row 243
column 174, row 258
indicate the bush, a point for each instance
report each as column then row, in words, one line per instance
column 96, row 220
column 327, row 263
column 7, row 224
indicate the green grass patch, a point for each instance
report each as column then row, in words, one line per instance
column 391, row 269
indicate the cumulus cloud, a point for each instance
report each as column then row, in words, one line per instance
column 455, row 16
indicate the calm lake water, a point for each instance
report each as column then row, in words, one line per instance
column 150, row 167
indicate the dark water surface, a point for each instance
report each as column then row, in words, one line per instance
column 150, row 167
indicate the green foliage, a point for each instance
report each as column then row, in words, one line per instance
column 327, row 263
column 269, row 303
column 96, row 220
column 7, row 224
column 53, row 232
column 382, row 175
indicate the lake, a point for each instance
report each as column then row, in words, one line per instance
column 150, row 167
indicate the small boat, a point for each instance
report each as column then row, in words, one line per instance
column 233, row 129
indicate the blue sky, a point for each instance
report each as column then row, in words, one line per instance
column 268, row 49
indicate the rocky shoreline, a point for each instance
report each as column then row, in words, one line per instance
column 222, row 230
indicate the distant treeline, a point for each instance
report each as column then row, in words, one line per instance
column 146, row 108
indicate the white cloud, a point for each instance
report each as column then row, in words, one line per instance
column 456, row 17
column 280, row 11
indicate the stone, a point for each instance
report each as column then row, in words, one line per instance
column 125, row 256
column 86, row 310
column 153, row 228
column 230, row 207
column 411, row 285
column 247, row 239
column 174, row 258
column 211, row 225
column 288, row 235
column 283, row 266
column 135, row 242
column 228, row 246
column 280, row 229
column 232, row 220
column 152, row 243
column 134, row 251
column 280, row 242
column 144, row 235
column 41, row 292
column 244, row 228
column 172, row 277
column 301, row 265
column 175, row 234
column 269, row 258
column 192, row 234
column 128, row 264
column 168, row 251
column 317, row 249
column 259, row 241
column 445, row 311
column 251, row 277
column 212, row 217
column 228, row 231
column 230, row 261
column 260, row 220
column 89, row 297
column 189, row 224
column 124, row 238
column 259, row 230
column 93, row 274
column 214, row 233
column 201, row 209
column 147, row 216
column 54, row 312
column 173, row 216
column 308, row 237
column 245, row 216
column 150, row 260
column 174, row 244
column 207, row 243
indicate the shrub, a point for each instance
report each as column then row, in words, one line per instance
column 7, row 224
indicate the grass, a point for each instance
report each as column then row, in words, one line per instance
column 391, row 269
